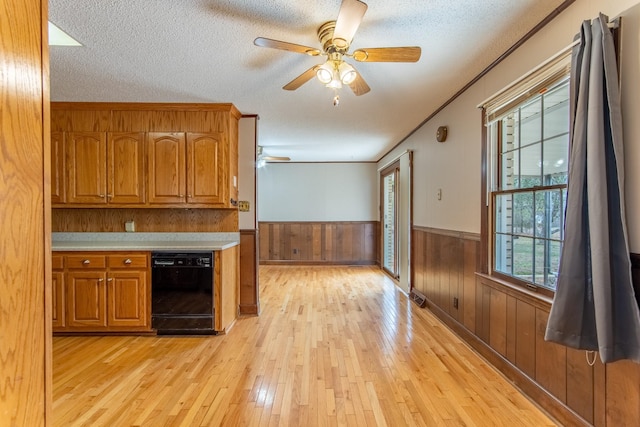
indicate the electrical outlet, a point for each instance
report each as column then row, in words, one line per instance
column 295, row 252
column 455, row 303
column 244, row 206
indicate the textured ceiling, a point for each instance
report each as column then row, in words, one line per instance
column 203, row 51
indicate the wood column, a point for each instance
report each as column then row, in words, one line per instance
column 25, row 194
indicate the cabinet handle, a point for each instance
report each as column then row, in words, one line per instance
column 190, row 196
column 102, row 196
column 182, row 195
column 100, row 280
column 86, row 262
column 110, row 279
column 127, row 261
column 110, row 196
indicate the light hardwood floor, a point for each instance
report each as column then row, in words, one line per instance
column 332, row 346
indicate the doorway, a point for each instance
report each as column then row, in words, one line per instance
column 388, row 186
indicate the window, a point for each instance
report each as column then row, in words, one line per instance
column 528, row 153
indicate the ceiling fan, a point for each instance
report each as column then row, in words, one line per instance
column 262, row 158
column 335, row 38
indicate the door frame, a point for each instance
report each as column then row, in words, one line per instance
column 393, row 168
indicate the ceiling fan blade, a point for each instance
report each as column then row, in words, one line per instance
column 291, row 47
column 301, row 79
column 388, row 54
column 276, row 158
column 349, row 19
column 359, row 86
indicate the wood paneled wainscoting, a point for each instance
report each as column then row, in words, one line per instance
column 249, row 287
column 147, row 220
column 506, row 325
column 335, row 243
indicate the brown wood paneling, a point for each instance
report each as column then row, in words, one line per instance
column 599, row 394
column 80, row 120
column 249, row 287
column 468, row 300
column 430, row 276
column 551, row 360
column 622, row 393
column 318, row 242
column 512, row 304
column 498, row 321
column 264, row 234
column 418, row 258
column 485, row 331
column 580, row 384
column 526, row 338
column 146, row 220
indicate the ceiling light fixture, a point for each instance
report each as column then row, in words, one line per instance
column 324, row 73
column 347, row 73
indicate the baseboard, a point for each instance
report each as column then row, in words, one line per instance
column 249, row 309
column 309, row 262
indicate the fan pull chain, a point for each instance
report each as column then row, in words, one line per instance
column 593, row 354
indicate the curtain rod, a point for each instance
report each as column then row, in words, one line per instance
column 611, row 24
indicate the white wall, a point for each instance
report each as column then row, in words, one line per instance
column 247, row 134
column 454, row 166
column 318, row 192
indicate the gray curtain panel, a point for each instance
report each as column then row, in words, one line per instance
column 594, row 307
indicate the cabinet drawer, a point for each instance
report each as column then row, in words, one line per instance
column 128, row 261
column 57, row 262
column 86, row 261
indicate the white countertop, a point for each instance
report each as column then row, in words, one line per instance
column 143, row 241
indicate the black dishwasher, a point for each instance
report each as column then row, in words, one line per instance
column 182, row 292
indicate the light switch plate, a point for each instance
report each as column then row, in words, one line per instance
column 243, row 206
column 130, row 226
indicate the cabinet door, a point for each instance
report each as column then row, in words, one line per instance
column 57, row 299
column 86, row 161
column 127, row 293
column 57, row 168
column 86, row 299
column 125, row 168
column 167, row 178
column 206, row 174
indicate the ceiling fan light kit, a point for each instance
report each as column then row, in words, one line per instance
column 335, row 37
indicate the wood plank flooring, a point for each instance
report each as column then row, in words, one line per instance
column 332, row 346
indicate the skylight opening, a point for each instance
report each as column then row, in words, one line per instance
column 57, row 37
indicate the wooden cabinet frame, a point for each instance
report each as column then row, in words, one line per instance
column 189, row 154
column 101, row 292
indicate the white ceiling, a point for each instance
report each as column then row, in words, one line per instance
column 203, row 51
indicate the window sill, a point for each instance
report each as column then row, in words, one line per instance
column 517, row 291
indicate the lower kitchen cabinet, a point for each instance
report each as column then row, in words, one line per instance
column 86, row 299
column 101, row 292
column 57, row 292
column 127, row 299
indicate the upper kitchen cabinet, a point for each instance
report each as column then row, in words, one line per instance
column 191, row 172
column 86, row 154
column 125, row 168
column 167, row 168
column 157, row 155
column 58, row 182
column 104, row 168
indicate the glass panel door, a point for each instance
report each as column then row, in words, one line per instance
column 389, row 223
